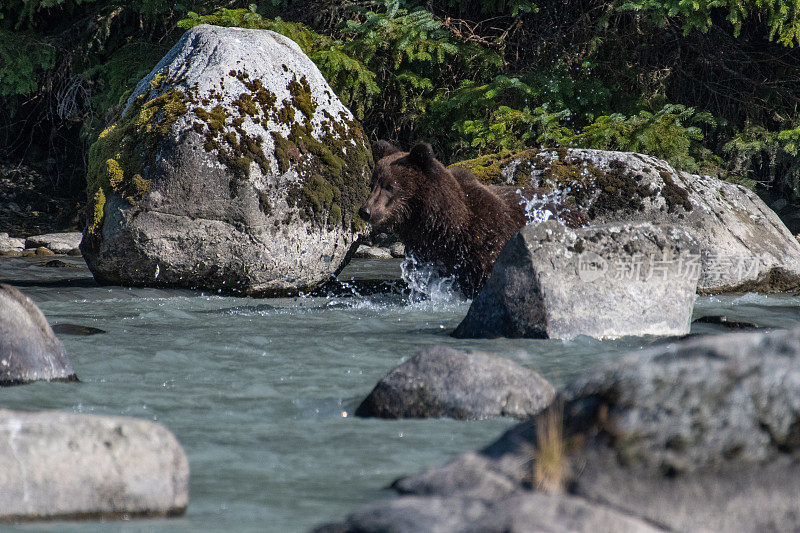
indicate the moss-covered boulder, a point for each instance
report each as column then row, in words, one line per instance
column 744, row 245
column 234, row 167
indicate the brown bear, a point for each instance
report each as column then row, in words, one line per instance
column 445, row 216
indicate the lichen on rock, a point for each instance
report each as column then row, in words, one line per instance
column 237, row 126
column 595, row 189
column 744, row 244
column 117, row 158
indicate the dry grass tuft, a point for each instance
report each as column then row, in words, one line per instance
column 551, row 467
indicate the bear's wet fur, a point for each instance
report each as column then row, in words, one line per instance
column 445, row 216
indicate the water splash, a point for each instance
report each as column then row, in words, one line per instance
column 536, row 207
column 541, row 207
column 427, row 284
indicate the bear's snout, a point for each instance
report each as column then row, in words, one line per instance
column 364, row 213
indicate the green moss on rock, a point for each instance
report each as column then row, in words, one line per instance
column 603, row 190
column 116, row 158
column 333, row 172
column 225, row 135
column 264, row 203
column 488, row 168
column 675, row 195
column 97, row 206
column 301, row 96
column 617, row 188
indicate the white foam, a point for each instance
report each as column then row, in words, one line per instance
column 427, row 285
column 535, row 210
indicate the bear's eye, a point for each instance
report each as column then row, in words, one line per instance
column 389, row 188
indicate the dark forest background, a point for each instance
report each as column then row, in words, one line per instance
column 712, row 86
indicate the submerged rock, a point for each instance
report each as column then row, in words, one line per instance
column 235, row 168
column 56, row 263
column 700, row 435
column 603, row 281
column 744, row 244
column 76, row 329
column 443, row 382
column 724, row 321
column 56, row 465
column 29, row 350
column 59, row 243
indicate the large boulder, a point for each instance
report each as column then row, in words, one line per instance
column 66, row 465
column 700, row 435
column 440, row 381
column 60, row 243
column 604, row 281
column 745, row 245
column 29, row 350
column 234, row 167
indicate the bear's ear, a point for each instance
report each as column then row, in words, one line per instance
column 381, row 149
column 421, row 156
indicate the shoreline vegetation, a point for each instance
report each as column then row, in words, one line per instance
column 710, row 90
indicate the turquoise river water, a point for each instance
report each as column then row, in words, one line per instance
column 260, row 391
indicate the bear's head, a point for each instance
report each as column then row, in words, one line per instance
column 400, row 179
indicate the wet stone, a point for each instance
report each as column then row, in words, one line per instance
column 29, row 350
column 443, row 382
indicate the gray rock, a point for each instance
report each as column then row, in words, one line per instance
column 384, row 240
column 696, row 404
column 521, row 513
column 41, row 251
column 699, row 435
column 603, row 281
column 65, row 465
column 398, row 250
column 534, row 512
column 10, row 245
column 441, row 381
column 29, row 350
column 59, row 243
column 249, row 183
column 745, row 245
column 704, row 434
column 738, row 496
column 372, row 252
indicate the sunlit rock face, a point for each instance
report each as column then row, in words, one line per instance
column 58, row 465
column 234, row 167
column 605, row 281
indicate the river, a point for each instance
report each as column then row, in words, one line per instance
column 260, row 392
